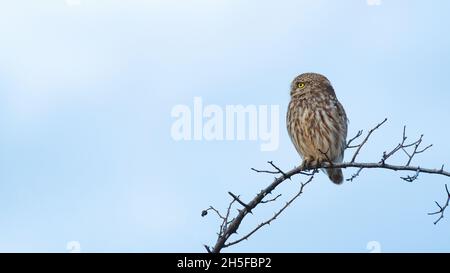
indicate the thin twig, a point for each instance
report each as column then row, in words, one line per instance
column 442, row 209
column 411, row 178
column 265, row 171
column 396, row 149
column 365, row 140
column 271, row 200
column 208, row 249
column 353, row 139
column 278, row 169
column 415, row 151
column 355, row 175
column 225, row 221
column 402, row 146
column 205, row 212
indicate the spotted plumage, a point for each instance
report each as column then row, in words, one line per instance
column 317, row 123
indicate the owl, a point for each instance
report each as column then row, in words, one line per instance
column 317, row 123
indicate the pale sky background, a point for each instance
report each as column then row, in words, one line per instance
column 87, row 88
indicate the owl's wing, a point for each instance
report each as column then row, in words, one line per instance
column 344, row 126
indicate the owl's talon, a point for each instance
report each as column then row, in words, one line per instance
column 306, row 164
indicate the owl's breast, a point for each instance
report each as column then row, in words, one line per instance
column 316, row 126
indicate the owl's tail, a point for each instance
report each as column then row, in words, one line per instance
column 335, row 176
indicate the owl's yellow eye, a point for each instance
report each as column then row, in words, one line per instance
column 301, row 85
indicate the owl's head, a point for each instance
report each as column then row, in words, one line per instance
column 310, row 82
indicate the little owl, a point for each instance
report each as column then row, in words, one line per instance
column 317, row 123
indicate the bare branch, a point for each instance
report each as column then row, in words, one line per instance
column 411, row 178
column 225, row 221
column 385, row 166
column 396, row 149
column 415, row 151
column 442, row 209
column 274, row 216
column 402, row 146
column 365, row 140
column 265, row 171
column 277, row 170
column 229, row 227
column 208, row 249
column 234, row 225
column 236, row 198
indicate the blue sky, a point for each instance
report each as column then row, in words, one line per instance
column 87, row 89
